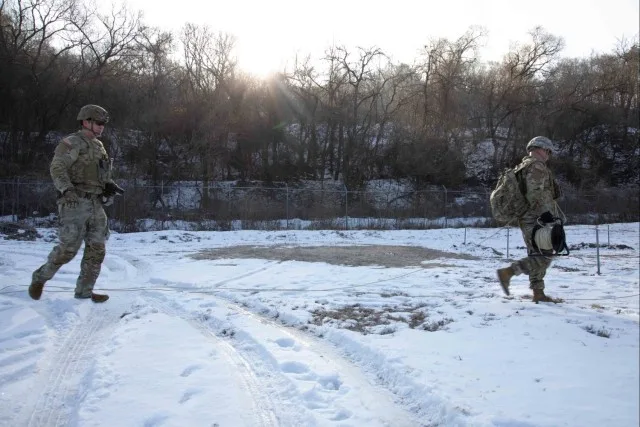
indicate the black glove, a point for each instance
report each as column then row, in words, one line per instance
column 546, row 217
column 112, row 189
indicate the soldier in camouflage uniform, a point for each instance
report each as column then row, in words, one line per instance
column 541, row 193
column 81, row 172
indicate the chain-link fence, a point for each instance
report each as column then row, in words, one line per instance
column 227, row 206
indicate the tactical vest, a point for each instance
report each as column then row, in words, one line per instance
column 92, row 170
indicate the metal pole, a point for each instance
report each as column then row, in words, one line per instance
column 16, row 205
column 598, row 248
column 162, row 204
column 178, row 201
column 424, row 215
column 508, row 242
column 445, row 206
column 124, row 222
column 608, row 237
column 465, row 235
column 123, row 203
column 346, row 207
column 287, row 206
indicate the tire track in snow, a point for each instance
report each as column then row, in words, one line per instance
column 265, row 410
column 390, row 413
column 263, row 369
column 50, row 400
column 430, row 410
column 309, row 376
column 53, row 403
column 264, row 406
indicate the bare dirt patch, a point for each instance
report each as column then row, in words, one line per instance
column 371, row 255
column 379, row 320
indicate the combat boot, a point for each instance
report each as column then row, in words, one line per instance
column 97, row 298
column 504, row 276
column 35, row 290
column 539, row 296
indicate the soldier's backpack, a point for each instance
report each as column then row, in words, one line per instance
column 508, row 201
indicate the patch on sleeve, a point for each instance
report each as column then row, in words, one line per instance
column 67, row 142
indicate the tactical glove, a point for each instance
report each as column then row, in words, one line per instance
column 112, row 189
column 546, row 217
column 69, row 198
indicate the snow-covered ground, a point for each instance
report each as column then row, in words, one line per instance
column 255, row 341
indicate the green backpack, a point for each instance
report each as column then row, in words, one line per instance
column 508, row 201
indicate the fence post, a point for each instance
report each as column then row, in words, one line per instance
column 287, row 204
column 608, row 237
column 465, row 236
column 445, row 206
column 228, row 213
column 123, row 221
column 178, row 201
column 598, row 249
column 15, row 217
column 346, row 207
column 164, row 214
column 424, row 207
column 508, row 228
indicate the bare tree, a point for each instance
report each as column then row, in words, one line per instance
column 106, row 37
column 510, row 87
column 34, row 46
column 359, row 115
column 210, row 68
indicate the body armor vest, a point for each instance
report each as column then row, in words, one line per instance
column 92, row 170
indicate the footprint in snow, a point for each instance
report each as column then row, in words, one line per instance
column 285, row 342
column 190, row 370
column 341, row 415
column 330, row 382
column 294, row 368
column 187, row 395
column 155, row 420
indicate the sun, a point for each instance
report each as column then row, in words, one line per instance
column 259, row 60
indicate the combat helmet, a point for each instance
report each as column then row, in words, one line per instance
column 540, row 142
column 93, row 112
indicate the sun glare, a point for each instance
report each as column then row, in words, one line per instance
column 259, row 63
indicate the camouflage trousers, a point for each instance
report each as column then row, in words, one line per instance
column 535, row 265
column 82, row 221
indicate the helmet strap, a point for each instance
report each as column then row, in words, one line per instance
column 88, row 128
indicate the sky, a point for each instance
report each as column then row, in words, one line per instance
column 270, row 33
column 245, row 339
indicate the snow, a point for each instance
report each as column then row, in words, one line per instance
column 243, row 340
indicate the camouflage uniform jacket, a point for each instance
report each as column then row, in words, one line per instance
column 541, row 190
column 81, row 162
